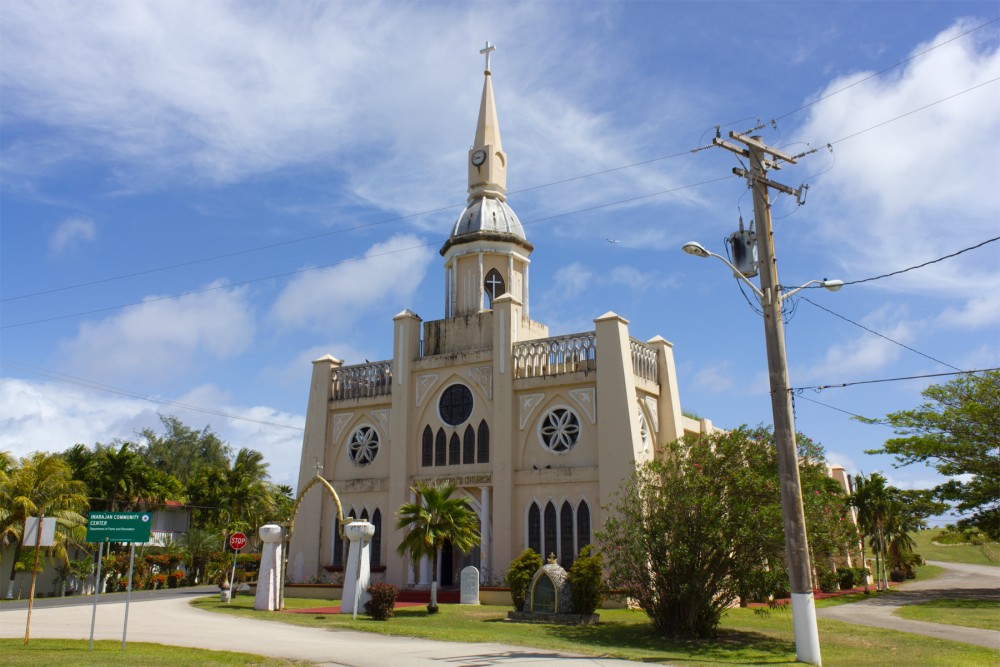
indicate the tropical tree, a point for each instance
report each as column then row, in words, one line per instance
column 41, row 485
column 433, row 519
column 183, row 452
column 957, row 432
column 870, row 499
column 128, row 482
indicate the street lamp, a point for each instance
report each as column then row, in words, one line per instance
column 698, row 250
column 793, row 514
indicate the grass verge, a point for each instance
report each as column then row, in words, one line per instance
column 984, row 614
column 952, row 553
column 49, row 652
column 745, row 638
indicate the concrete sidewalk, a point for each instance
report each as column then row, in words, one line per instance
column 175, row 622
column 960, row 580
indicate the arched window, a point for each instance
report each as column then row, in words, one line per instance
column 568, row 555
column 483, row 452
column 427, row 448
column 376, row 548
column 364, row 515
column 454, row 450
column 534, row 529
column 469, row 446
column 440, row 449
column 550, row 528
column 582, row 525
column 493, row 286
column 338, row 545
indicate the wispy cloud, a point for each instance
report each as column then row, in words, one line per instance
column 922, row 186
column 163, row 338
column 386, row 276
column 70, row 234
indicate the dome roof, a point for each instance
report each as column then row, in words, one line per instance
column 490, row 219
column 488, row 215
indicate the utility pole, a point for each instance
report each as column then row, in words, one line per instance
column 761, row 158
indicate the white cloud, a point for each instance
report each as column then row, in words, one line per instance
column 53, row 416
column 385, row 277
column 715, row 378
column 71, row 233
column 162, row 338
column 922, row 186
column 977, row 312
column 631, row 277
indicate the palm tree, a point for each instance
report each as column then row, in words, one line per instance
column 872, row 498
column 433, row 519
column 41, row 485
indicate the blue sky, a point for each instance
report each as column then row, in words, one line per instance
column 299, row 164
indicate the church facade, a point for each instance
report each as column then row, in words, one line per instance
column 536, row 431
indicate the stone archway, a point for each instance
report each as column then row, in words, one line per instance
column 295, row 511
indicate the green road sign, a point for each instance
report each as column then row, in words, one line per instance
column 118, row 526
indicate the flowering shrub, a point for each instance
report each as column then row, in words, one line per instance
column 174, row 578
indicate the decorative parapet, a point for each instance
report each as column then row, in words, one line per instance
column 644, row 361
column 557, row 355
column 362, row 381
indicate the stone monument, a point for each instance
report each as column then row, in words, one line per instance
column 357, row 574
column 268, row 597
column 549, row 599
column 470, row 585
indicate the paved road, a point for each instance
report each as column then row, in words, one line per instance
column 173, row 621
column 959, row 580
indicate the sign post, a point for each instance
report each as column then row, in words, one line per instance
column 236, row 542
column 42, row 532
column 104, row 527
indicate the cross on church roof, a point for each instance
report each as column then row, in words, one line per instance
column 318, row 466
column 486, row 52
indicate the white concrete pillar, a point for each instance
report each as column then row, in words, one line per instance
column 486, row 535
column 357, row 574
column 268, row 597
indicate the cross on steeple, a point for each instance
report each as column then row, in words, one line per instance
column 318, row 466
column 494, row 283
column 486, row 52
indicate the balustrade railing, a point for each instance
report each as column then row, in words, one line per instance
column 362, row 381
column 554, row 356
column 644, row 361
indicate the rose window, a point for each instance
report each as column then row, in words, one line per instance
column 559, row 430
column 363, row 447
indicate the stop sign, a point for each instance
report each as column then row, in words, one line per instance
column 237, row 541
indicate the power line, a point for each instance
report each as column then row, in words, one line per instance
column 821, row 387
column 846, row 412
column 910, row 113
column 91, row 384
column 896, row 342
column 880, row 72
column 528, row 189
column 349, row 260
column 342, row 230
column 920, row 266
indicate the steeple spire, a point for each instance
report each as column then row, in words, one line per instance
column 487, row 161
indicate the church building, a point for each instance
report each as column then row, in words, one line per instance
column 536, row 431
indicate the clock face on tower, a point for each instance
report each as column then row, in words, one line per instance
column 478, row 157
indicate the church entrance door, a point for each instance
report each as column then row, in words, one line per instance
column 447, row 565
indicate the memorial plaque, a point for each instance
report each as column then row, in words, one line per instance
column 543, row 596
column 470, row 585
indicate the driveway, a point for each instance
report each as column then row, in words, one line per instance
column 173, row 621
column 959, row 580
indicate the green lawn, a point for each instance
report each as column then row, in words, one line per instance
column 983, row 614
column 745, row 638
column 952, row 553
column 47, row 652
